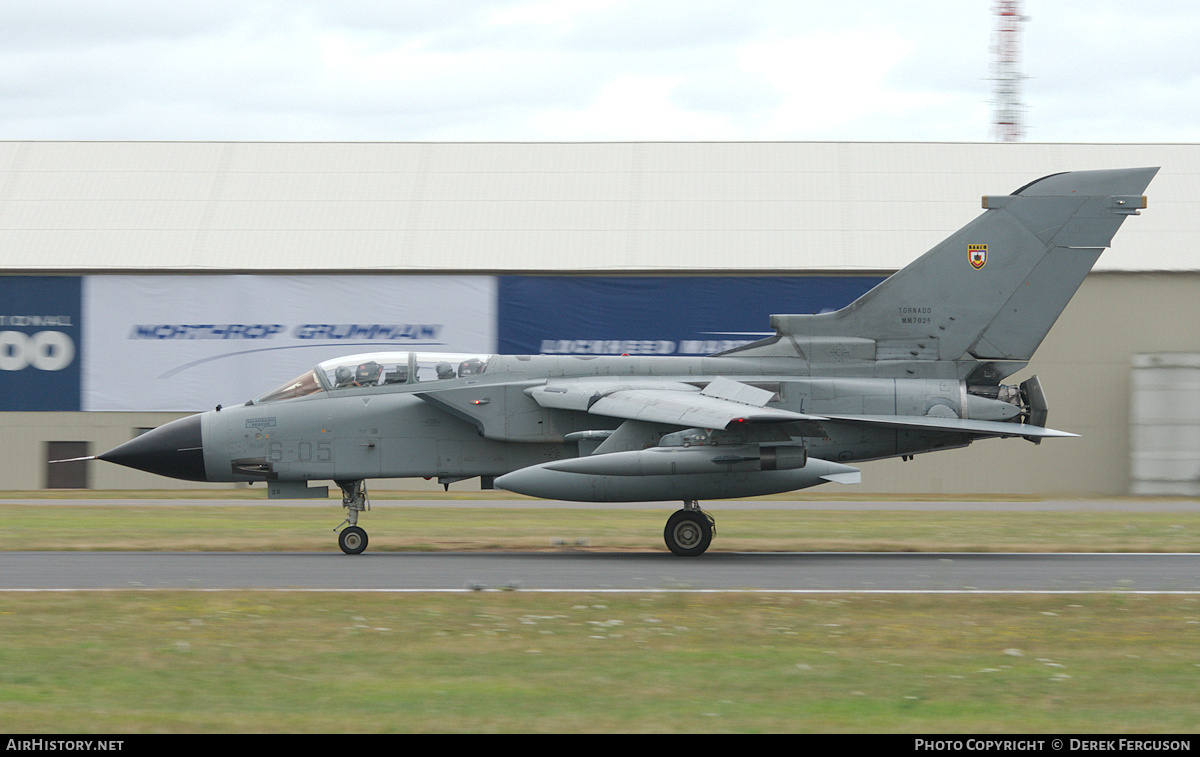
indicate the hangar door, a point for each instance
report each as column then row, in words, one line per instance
column 1165, row 424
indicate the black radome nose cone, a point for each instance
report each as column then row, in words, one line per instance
column 175, row 450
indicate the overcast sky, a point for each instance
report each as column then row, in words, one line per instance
column 572, row 70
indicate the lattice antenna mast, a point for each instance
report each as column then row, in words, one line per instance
column 1008, row 112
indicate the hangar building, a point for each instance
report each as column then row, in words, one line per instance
column 141, row 281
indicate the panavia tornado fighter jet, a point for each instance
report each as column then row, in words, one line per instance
column 915, row 365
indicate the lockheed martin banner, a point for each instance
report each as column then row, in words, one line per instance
column 656, row 315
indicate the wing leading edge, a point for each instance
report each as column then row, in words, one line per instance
column 722, row 404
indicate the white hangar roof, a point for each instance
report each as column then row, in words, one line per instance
column 749, row 207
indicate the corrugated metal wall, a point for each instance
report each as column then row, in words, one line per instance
column 531, row 207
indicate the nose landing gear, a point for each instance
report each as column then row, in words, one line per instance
column 353, row 540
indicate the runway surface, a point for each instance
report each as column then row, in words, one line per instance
column 568, row 570
column 588, row 571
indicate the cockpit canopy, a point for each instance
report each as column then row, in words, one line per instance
column 379, row 369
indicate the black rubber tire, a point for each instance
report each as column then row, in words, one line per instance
column 688, row 533
column 352, row 540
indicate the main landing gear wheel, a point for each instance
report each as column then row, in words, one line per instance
column 352, row 540
column 689, row 531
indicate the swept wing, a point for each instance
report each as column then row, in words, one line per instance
column 719, row 405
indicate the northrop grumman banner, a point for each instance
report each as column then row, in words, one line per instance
column 192, row 342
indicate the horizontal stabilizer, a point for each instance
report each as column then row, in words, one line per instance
column 849, row 477
column 954, row 425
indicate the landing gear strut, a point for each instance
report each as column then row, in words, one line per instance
column 689, row 531
column 353, row 540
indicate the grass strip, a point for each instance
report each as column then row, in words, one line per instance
column 136, row 662
column 187, row 527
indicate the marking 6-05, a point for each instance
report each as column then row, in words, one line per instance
column 305, row 452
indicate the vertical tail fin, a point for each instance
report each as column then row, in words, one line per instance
column 993, row 289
